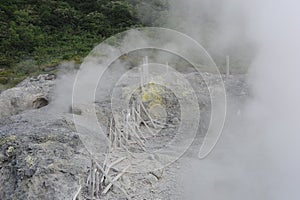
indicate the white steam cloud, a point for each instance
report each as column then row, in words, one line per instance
column 258, row 156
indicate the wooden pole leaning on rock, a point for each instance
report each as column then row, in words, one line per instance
column 111, row 181
column 122, row 135
column 105, row 165
column 111, row 135
column 91, row 187
column 98, row 185
column 148, row 115
column 99, row 175
column 113, row 164
column 145, row 123
column 138, row 139
column 115, row 179
column 125, row 146
column 91, row 175
column 138, row 130
column 77, row 194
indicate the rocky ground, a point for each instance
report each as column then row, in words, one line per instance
column 42, row 156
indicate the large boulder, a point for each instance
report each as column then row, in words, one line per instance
column 32, row 93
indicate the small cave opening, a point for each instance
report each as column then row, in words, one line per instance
column 40, row 102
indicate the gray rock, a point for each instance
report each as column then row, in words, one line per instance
column 32, row 93
column 45, row 159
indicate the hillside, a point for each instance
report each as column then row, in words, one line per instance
column 37, row 35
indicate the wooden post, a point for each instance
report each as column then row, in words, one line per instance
column 94, row 183
column 110, row 134
column 146, row 70
column 167, row 68
column 77, row 195
column 227, row 66
column 97, row 184
column 91, row 186
column 113, row 181
column 142, row 76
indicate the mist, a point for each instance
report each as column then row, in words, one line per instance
column 217, row 25
column 258, row 155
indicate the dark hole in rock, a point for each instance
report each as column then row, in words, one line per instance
column 40, row 102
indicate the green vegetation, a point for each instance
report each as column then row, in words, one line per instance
column 35, row 34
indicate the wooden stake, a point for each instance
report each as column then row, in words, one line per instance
column 114, row 180
column 146, row 69
column 227, row 66
column 111, row 181
column 76, row 196
column 167, row 68
column 93, row 183
column 142, row 105
column 142, row 81
column 113, row 164
column 91, row 175
column 145, row 124
column 97, row 184
column 141, row 143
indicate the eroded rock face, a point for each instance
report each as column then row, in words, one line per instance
column 32, row 93
column 40, row 158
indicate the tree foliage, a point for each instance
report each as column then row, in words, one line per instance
column 47, row 31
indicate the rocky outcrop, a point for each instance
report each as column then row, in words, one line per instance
column 40, row 158
column 32, row 93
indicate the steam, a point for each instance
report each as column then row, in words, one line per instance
column 62, row 97
column 276, row 84
column 219, row 26
column 258, row 156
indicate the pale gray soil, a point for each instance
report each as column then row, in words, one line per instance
column 42, row 156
